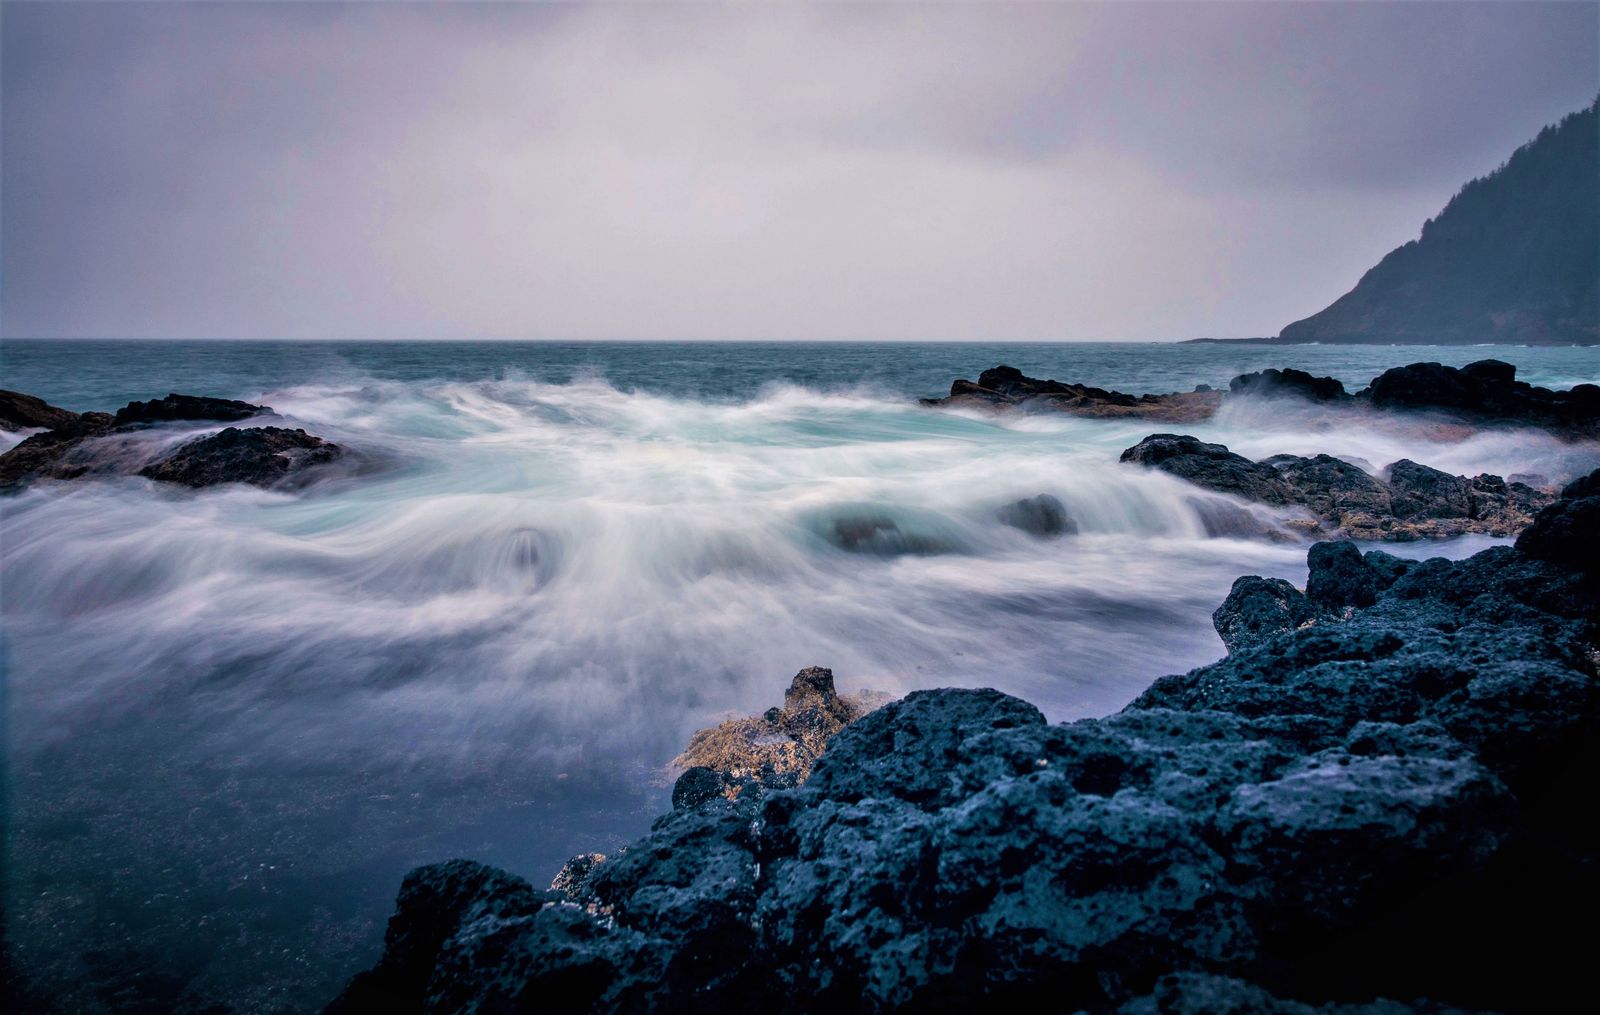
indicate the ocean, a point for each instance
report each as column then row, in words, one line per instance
column 237, row 717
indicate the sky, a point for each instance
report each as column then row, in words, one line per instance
column 993, row 172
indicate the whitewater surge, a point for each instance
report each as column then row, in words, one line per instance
column 492, row 641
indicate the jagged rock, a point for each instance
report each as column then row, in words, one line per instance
column 1044, row 516
column 1290, row 383
column 176, row 407
column 1568, row 531
column 1415, row 503
column 1260, row 608
column 1008, row 387
column 1211, row 466
column 1340, row 577
column 100, row 444
column 260, row 456
column 776, row 749
column 1421, row 492
column 697, row 785
column 26, row 412
column 572, row 880
column 435, row 903
column 55, row 454
column 1486, row 392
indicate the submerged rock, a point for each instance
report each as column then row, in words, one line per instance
column 25, row 412
column 260, row 456
column 1044, row 516
column 1382, row 804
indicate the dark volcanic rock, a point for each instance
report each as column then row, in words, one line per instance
column 1416, row 502
column 1383, row 804
column 1260, row 608
column 1486, row 392
column 1290, row 383
column 62, row 453
column 1043, row 516
column 260, row 456
column 25, row 412
column 1340, row 577
column 1004, row 386
column 1421, row 492
column 177, row 407
column 1211, row 466
column 1568, row 531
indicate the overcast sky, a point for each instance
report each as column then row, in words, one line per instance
column 1052, row 172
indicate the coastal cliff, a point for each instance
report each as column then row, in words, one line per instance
column 1371, row 804
column 1513, row 258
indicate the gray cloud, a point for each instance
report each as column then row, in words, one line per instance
column 959, row 171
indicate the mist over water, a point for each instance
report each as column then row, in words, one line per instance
column 246, row 713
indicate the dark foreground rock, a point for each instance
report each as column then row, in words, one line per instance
column 1386, row 803
column 1008, row 387
column 260, row 456
column 131, row 442
column 1411, row 501
column 25, row 412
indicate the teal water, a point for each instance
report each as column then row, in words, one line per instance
column 93, row 374
column 238, row 716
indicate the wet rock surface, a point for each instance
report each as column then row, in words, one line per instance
column 1485, row 393
column 1288, row 383
column 1377, row 811
column 1411, row 501
column 25, row 412
column 1008, row 387
column 260, row 456
column 128, row 443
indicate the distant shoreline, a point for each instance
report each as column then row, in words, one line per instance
column 1379, row 341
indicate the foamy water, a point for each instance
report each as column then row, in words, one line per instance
column 251, row 710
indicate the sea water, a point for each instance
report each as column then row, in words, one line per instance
column 237, row 716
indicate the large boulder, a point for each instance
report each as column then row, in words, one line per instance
column 25, row 412
column 1258, row 609
column 1288, row 383
column 1211, row 466
column 1568, row 531
column 259, row 456
column 1486, row 392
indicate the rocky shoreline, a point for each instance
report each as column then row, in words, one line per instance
column 133, row 441
column 1481, row 394
column 1374, row 803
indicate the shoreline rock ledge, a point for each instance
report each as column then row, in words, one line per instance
column 1377, row 802
column 135, row 440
